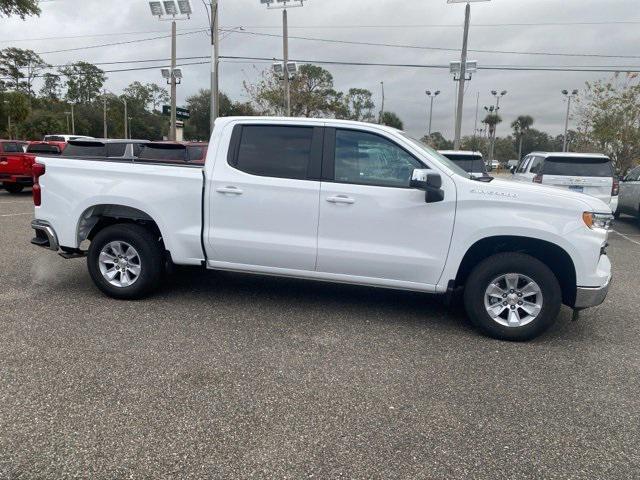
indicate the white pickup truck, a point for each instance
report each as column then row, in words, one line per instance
column 335, row 201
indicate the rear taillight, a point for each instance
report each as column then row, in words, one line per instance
column 537, row 178
column 37, row 170
column 615, row 188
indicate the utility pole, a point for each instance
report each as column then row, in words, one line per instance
column 104, row 114
column 285, row 51
column 67, row 115
column 172, row 133
column 129, row 125
column 73, row 120
column 215, row 65
column 463, row 72
column 566, row 120
column 382, row 107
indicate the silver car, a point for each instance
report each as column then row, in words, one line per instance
column 629, row 198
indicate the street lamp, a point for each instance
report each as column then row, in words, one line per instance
column 172, row 9
column 284, row 4
column 431, row 97
column 6, row 102
column 574, row 93
column 124, row 100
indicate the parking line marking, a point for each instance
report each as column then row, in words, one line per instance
column 29, row 213
column 626, row 238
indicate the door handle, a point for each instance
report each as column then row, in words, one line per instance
column 341, row 199
column 229, row 189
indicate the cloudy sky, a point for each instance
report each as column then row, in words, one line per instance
column 599, row 28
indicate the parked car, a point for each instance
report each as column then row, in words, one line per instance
column 15, row 167
column 629, row 198
column 470, row 162
column 174, row 152
column 63, row 137
column 111, row 148
column 589, row 173
column 337, row 201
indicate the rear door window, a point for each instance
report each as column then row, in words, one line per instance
column 12, row 147
column 469, row 163
column 275, row 151
column 536, row 165
column 578, row 167
column 116, row 149
column 88, row 149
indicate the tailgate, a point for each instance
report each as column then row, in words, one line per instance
column 16, row 164
column 599, row 187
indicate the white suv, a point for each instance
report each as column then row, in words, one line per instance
column 588, row 173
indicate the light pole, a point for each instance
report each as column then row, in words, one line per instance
column 129, row 126
column 158, row 9
column 283, row 5
column 67, row 115
column 73, row 120
column 574, row 93
column 431, row 96
column 492, row 130
column 382, row 105
column 104, row 114
column 6, row 102
column 215, row 65
column 126, row 116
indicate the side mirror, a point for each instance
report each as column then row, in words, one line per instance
column 431, row 183
column 512, row 170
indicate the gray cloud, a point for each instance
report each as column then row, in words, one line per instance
column 534, row 93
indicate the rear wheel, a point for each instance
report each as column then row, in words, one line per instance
column 13, row 187
column 512, row 296
column 125, row 261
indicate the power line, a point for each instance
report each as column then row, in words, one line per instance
column 128, row 42
column 93, row 35
column 458, row 25
column 419, row 47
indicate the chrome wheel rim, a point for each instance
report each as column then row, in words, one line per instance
column 119, row 264
column 513, row 300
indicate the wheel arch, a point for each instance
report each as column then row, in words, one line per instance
column 552, row 255
column 97, row 217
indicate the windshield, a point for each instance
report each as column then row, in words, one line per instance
column 437, row 156
column 581, row 167
column 469, row 163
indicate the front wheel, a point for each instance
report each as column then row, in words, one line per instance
column 512, row 296
column 13, row 188
column 125, row 261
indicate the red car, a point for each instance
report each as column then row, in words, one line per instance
column 17, row 158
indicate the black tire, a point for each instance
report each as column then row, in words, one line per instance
column 500, row 264
column 13, row 188
column 150, row 253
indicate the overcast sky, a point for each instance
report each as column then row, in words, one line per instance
column 424, row 23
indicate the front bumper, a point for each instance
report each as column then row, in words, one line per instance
column 45, row 235
column 587, row 297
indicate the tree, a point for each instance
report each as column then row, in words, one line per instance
column 504, row 149
column 609, row 119
column 21, row 67
column 199, row 105
column 18, row 109
column 40, row 124
column 437, row 141
column 392, row 120
column 359, row 105
column 475, row 144
column 51, row 87
column 537, row 141
column 311, row 91
column 521, row 126
column 492, row 120
column 22, row 8
column 147, row 95
column 84, row 81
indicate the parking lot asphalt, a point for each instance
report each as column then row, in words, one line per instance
column 234, row 376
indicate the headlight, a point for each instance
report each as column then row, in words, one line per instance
column 597, row 220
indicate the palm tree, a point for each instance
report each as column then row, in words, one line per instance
column 521, row 126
